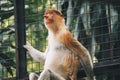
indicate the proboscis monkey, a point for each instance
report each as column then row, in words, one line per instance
column 64, row 54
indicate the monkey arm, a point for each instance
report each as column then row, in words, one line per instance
column 79, row 50
column 35, row 54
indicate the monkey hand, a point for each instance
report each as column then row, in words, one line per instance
column 28, row 46
column 34, row 53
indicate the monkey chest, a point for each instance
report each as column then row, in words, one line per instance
column 62, row 59
column 56, row 56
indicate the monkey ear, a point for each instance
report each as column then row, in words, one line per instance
column 60, row 12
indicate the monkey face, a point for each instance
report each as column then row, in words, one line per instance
column 48, row 18
column 50, row 14
column 53, row 18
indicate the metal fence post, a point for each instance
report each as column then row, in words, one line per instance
column 21, row 69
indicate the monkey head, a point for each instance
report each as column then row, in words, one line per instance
column 53, row 19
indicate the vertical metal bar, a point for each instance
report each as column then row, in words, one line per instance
column 21, row 69
column 110, row 30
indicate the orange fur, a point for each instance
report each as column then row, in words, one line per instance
column 71, row 65
column 55, row 23
column 54, row 20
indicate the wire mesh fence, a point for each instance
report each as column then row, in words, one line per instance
column 94, row 23
column 7, row 40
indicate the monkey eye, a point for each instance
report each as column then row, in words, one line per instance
column 50, row 13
